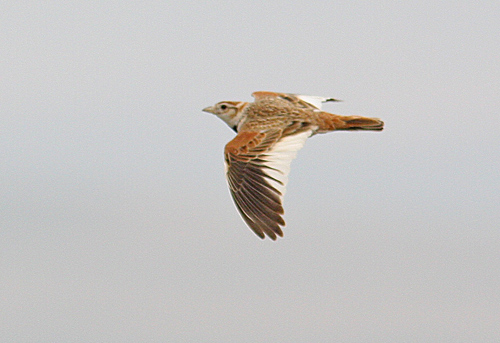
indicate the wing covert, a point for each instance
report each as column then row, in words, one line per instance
column 302, row 101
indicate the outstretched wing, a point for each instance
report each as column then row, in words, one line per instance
column 303, row 101
column 257, row 167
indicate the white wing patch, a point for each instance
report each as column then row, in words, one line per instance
column 316, row 101
column 277, row 160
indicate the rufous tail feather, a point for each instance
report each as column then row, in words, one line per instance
column 330, row 122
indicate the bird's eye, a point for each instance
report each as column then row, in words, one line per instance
column 223, row 107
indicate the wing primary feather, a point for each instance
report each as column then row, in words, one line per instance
column 255, row 223
column 250, row 172
column 273, row 200
column 259, row 232
column 258, row 210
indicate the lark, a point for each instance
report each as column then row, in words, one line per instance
column 270, row 131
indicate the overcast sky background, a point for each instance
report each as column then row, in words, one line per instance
column 116, row 223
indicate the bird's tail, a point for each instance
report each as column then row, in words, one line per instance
column 330, row 122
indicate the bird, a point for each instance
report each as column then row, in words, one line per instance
column 270, row 132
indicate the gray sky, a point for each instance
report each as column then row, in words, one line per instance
column 116, row 222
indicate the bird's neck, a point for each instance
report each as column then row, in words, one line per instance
column 238, row 118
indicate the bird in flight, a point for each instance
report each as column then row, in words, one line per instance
column 270, row 131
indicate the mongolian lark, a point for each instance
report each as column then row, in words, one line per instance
column 270, row 132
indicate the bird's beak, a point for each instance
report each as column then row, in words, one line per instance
column 209, row 109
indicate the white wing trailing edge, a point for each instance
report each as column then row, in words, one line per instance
column 278, row 159
column 316, row 101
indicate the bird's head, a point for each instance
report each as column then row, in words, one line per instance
column 231, row 112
